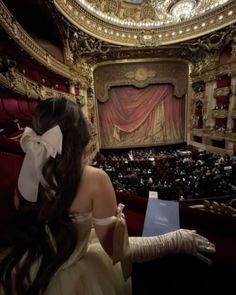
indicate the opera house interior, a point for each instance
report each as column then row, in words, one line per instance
column 156, row 80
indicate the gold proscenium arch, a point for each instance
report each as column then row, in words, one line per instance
column 140, row 73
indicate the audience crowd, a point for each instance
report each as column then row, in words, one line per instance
column 174, row 174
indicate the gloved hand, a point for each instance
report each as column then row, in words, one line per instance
column 180, row 241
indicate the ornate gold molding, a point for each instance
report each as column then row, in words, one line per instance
column 18, row 83
column 207, row 49
column 230, row 136
column 224, row 91
column 210, row 148
column 197, row 132
column 217, row 135
column 212, row 74
column 234, row 113
column 198, row 96
column 143, row 36
column 140, row 75
column 206, row 132
column 220, row 113
column 18, row 34
column 85, row 74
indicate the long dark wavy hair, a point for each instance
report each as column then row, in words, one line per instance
column 27, row 235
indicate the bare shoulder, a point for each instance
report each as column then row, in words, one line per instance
column 94, row 172
column 93, row 184
column 97, row 182
column 94, row 177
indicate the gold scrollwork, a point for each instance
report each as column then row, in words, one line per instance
column 140, row 74
column 198, row 96
column 231, row 136
column 148, row 38
column 234, row 113
column 220, row 113
column 217, row 135
column 224, row 91
column 20, row 84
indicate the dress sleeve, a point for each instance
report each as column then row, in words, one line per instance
column 120, row 239
column 121, row 243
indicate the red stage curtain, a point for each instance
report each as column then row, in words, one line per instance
column 134, row 116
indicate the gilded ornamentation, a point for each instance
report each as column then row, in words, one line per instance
column 224, row 91
column 144, row 10
column 148, row 38
column 233, row 48
column 84, row 70
column 200, row 72
column 231, row 136
column 123, row 23
column 92, row 129
column 90, row 102
column 140, row 74
column 230, row 124
column 213, row 134
column 217, row 135
column 234, row 113
column 80, row 44
column 16, row 32
column 207, row 49
column 127, row 73
column 210, row 43
column 123, row 11
column 20, row 84
column 224, row 69
column 147, row 13
column 220, row 113
column 198, row 96
column 197, row 68
column 207, row 132
column 210, row 61
column 197, row 132
column 39, row 54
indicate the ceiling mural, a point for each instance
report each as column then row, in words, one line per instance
column 149, row 13
column 149, row 22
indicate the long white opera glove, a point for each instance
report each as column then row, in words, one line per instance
column 180, row 241
column 138, row 249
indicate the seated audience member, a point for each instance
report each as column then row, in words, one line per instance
column 69, row 236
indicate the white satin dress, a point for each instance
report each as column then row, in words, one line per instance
column 89, row 270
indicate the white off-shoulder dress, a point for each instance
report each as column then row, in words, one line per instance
column 89, row 270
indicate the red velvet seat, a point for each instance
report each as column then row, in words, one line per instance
column 10, row 146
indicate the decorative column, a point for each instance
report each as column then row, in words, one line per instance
column 209, row 121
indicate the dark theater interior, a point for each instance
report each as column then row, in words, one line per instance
column 156, row 82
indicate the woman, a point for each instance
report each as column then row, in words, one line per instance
column 69, row 236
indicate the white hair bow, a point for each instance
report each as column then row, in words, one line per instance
column 37, row 150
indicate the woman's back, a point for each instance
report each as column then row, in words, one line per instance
column 90, row 270
column 69, row 236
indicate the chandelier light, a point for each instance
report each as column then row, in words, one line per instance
column 183, row 9
column 174, row 11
